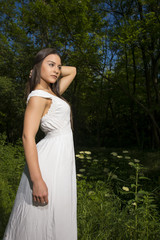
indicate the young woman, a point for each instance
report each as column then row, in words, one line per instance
column 46, row 201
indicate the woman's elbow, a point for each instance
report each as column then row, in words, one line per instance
column 27, row 138
column 24, row 139
column 74, row 71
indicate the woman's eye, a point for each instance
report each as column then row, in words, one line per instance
column 51, row 64
column 59, row 67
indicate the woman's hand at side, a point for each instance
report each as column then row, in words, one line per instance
column 33, row 114
column 40, row 192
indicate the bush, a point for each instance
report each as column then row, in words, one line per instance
column 11, row 167
column 113, row 200
column 118, row 207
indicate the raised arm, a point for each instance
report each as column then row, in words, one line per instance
column 67, row 75
column 33, row 114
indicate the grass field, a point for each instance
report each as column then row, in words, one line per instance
column 118, row 191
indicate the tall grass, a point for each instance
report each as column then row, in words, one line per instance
column 116, row 201
column 119, row 207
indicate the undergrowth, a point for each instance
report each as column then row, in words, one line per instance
column 116, row 200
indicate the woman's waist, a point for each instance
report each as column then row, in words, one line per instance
column 58, row 131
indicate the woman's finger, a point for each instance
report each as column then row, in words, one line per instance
column 30, row 74
column 39, row 199
column 45, row 198
column 34, row 199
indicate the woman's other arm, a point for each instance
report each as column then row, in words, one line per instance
column 68, row 73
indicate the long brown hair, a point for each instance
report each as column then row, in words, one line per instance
column 34, row 80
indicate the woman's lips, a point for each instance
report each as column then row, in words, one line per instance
column 54, row 76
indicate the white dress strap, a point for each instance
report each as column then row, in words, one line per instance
column 39, row 93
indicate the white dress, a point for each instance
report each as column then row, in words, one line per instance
column 58, row 219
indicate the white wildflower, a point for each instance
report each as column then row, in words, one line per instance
column 87, row 152
column 125, row 189
column 136, row 160
column 114, row 154
column 82, row 152
column 79, row 175
column 131, row 163
column 82, row 170
column 125, row 151
column 127, row 157
column 114, row 176
column 134, row 204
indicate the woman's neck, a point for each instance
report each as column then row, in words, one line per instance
column 47, row 88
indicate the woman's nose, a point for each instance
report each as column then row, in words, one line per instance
column 56, row 69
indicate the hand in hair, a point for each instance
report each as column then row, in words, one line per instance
column 30, row 74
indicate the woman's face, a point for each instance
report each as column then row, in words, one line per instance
column 51, row 68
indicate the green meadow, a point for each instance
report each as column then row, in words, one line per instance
column 117, row 189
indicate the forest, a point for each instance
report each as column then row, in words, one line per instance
column 115, row 101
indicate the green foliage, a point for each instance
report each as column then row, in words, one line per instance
column 98, row 211
column 115, row 198
column 125, row 212
column 11, row 108
column 115, row 47
column 11, row 166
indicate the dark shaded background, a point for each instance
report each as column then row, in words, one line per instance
column 115, row 47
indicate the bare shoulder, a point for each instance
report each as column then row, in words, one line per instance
column 36, row 102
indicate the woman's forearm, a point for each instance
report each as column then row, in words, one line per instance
column 67, row 75
column 31, row 156
column 68, row 70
